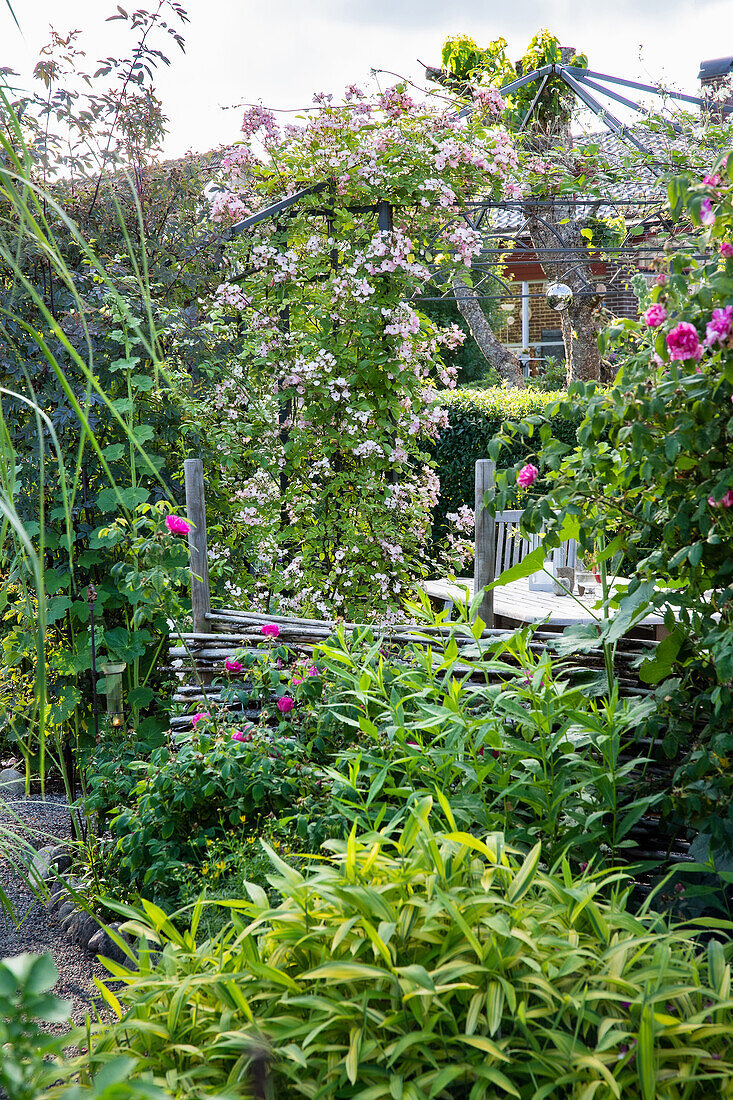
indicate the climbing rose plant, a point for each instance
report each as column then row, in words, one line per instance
column 334, row 389
column 652, row 483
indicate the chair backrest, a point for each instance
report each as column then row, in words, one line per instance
column 511, row 546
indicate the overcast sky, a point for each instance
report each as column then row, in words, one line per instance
column 281, row 51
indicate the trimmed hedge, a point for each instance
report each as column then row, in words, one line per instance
column 475, row 417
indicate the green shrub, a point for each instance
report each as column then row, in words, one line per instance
column 652, row 480
column 209, row 785
column 517, row 743
column 429, row 964
column 26, row 1005
column 475, row 417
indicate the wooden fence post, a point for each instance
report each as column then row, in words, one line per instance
column 196, row 510
column 484, row 540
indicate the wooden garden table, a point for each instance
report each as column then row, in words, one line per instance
column 516, row 603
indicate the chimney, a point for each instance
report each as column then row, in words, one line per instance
column 715, row 77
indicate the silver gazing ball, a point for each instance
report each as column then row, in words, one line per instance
column 559, row 296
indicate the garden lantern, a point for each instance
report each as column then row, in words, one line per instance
column 115, row 707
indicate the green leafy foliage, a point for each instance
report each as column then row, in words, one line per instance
column 475, row 418
column 26, row 1005
column 212, row 785
column 421, row 962
column 468, row 65
column 512, row 741
column 648, row 480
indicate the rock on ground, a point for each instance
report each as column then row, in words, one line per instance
column 40, row 930
column 12, row 784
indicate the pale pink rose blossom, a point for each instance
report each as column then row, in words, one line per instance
column 726, row 501
column 719, row 326
column 707, row 215
column 655, row 315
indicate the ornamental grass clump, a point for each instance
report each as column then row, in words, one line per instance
column 428, row 964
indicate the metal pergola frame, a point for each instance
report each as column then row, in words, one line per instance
column 584, row 82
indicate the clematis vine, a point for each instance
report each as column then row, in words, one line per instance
column 341, row 380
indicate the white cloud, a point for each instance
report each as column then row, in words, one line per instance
column 281, row 52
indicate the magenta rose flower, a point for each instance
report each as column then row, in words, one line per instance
column 726, row 250
column 237, row 735
column 233, row 666
column 285, row 704
column 683, row 342
column 200, row 717
column 727, row 499
column 527, row 475
column 654, row 316
column 177, row 525
column 270, row 630
column 719, row 326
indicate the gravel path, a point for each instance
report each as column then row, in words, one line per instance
column 48, row 822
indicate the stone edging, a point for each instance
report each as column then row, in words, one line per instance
column 77, row 924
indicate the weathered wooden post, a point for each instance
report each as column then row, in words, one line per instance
column 484, row 540
column 196, row 510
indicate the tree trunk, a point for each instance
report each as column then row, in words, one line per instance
column 505, row 362
column 559, row 243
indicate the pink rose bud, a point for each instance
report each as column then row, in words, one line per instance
column 661, row 279
column 285, row 704
column 177, row 525
column 713, row 502
column 654, row 316
column 233, row 666
column 270, row 630
column 527, row 475
column 726, row 250
column 237, row 735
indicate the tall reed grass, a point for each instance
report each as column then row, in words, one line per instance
column 34, row 222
